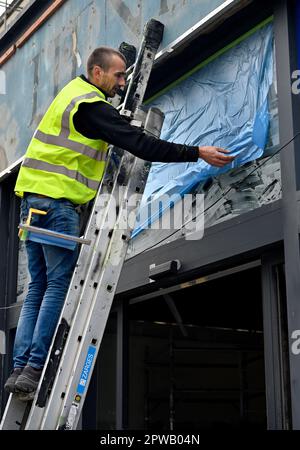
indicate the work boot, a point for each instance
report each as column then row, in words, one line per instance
column 11, row 380
column 27, row 383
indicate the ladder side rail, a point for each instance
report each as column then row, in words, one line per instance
column 76, row 307
column 94, row 326
column 152, row 37
column 72, row 345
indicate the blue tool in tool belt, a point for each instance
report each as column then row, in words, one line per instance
column 44, row 236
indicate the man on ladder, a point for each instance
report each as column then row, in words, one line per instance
column 61, row 170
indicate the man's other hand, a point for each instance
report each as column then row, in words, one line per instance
column 215, row 156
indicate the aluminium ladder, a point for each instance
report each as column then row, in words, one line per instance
column 64, row 382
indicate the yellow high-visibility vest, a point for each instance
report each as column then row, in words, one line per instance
column 59, row 161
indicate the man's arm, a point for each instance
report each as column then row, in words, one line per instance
column 100, row 120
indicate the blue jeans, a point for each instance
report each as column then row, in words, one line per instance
column 50, row 269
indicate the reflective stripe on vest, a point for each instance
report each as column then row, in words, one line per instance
column 61, row 141
column 65, row 123
column 61, row 170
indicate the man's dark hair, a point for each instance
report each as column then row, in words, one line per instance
column 101, row 56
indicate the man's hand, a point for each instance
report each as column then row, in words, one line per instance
column 215, row 155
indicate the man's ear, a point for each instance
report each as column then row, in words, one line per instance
column 98, row 71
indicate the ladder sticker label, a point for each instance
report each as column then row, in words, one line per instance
column 86, row 369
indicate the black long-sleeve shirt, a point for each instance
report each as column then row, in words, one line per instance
column 100, row 120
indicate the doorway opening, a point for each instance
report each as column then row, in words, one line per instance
column 197, row 356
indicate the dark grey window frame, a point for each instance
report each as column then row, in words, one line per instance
column 9, row 220
column 289, row 108
column 275, row 342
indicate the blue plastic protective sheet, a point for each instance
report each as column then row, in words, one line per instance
column 225, row 103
